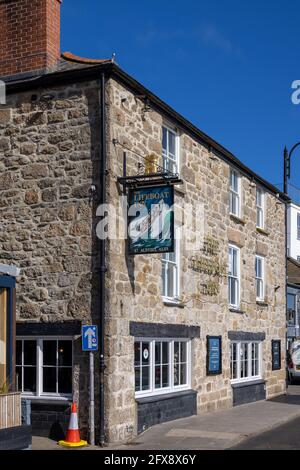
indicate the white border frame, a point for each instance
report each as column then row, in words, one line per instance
column 39, row 364
column 262, row 258
column 175, row 131
column 172, row 389
column 262, row 207
column 235, row 247
column 250, row 378
column 239, row 193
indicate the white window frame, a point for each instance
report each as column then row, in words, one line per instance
column 39, row 367
column 250, row 377
column 261, row 279
column 237, row 277
column 260, row 209
column 176, row 274
column 233, row 193
column 298, row 226
column 172, row 388
column 166, row 156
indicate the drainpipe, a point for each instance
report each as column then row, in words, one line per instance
column 103, row 268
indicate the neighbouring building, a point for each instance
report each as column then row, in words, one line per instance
column 293, row 231
column 13, row 435
column 183, row 335
column 293, row 301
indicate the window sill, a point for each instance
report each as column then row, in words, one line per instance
column 237, row 219
column 47, row 399
column 236, row 310
column 262, row 303
column 173, row 303
column 248, row 383
column 262, row 231
column 164, row 396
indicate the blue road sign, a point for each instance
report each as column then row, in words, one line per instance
column 89, row 338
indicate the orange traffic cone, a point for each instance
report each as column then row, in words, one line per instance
column 73, row 435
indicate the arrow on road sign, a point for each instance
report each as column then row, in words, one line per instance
column 90, row 333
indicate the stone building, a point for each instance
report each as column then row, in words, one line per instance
column 63, row 133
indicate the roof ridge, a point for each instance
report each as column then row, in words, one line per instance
column 83, row 60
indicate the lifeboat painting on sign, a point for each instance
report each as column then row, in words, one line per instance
column 151, row 220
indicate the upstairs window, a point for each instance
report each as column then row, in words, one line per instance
column 259, row 277
column 260, row 216
column 235, row 194
column 170, row 150
column 234, row 277
column 291, row 309
column 170, row 272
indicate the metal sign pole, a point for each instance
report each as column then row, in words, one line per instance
column 92, row 400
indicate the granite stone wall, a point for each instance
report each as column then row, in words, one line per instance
column 134, row 283
column 49, row 158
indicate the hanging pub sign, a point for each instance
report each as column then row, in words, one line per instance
column 276, row 354
column 151, row 220
column 214, row 355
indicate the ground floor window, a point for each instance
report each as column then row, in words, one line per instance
column 44, row 366
column 245, row 360
column 161, row 365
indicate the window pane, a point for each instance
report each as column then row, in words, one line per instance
column 30, row 353
column 183, row 352
column 165, row 376
column 65, row 353
column 19, row 378
column 164, row 139
column 65, row 380
column 183, row 374
column 157, row 352
column 145, row 353
column 165, row 353
column 49, row 353
column 19, row 352
column 49, row 379
column 137, row 353
column 29, row 379
column 233, row 348
column 137, row 379
column 157, row 374
column 176, row 351
column 145, row 378
column 244, row 360
column 171, row 143
column 176, row 374
column 170, row 275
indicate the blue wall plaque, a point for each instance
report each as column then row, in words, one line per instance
column 214, row 355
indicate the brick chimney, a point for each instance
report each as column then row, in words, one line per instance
column 29, row 35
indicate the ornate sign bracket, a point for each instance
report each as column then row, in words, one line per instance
column 149, row 174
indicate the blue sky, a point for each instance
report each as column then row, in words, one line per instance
column 226, row 65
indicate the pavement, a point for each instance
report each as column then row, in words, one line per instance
column 218, row 430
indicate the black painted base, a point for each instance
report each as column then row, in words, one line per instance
column 248, row 392
column 18, row 438
column 50, row 419
column 159, row 409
